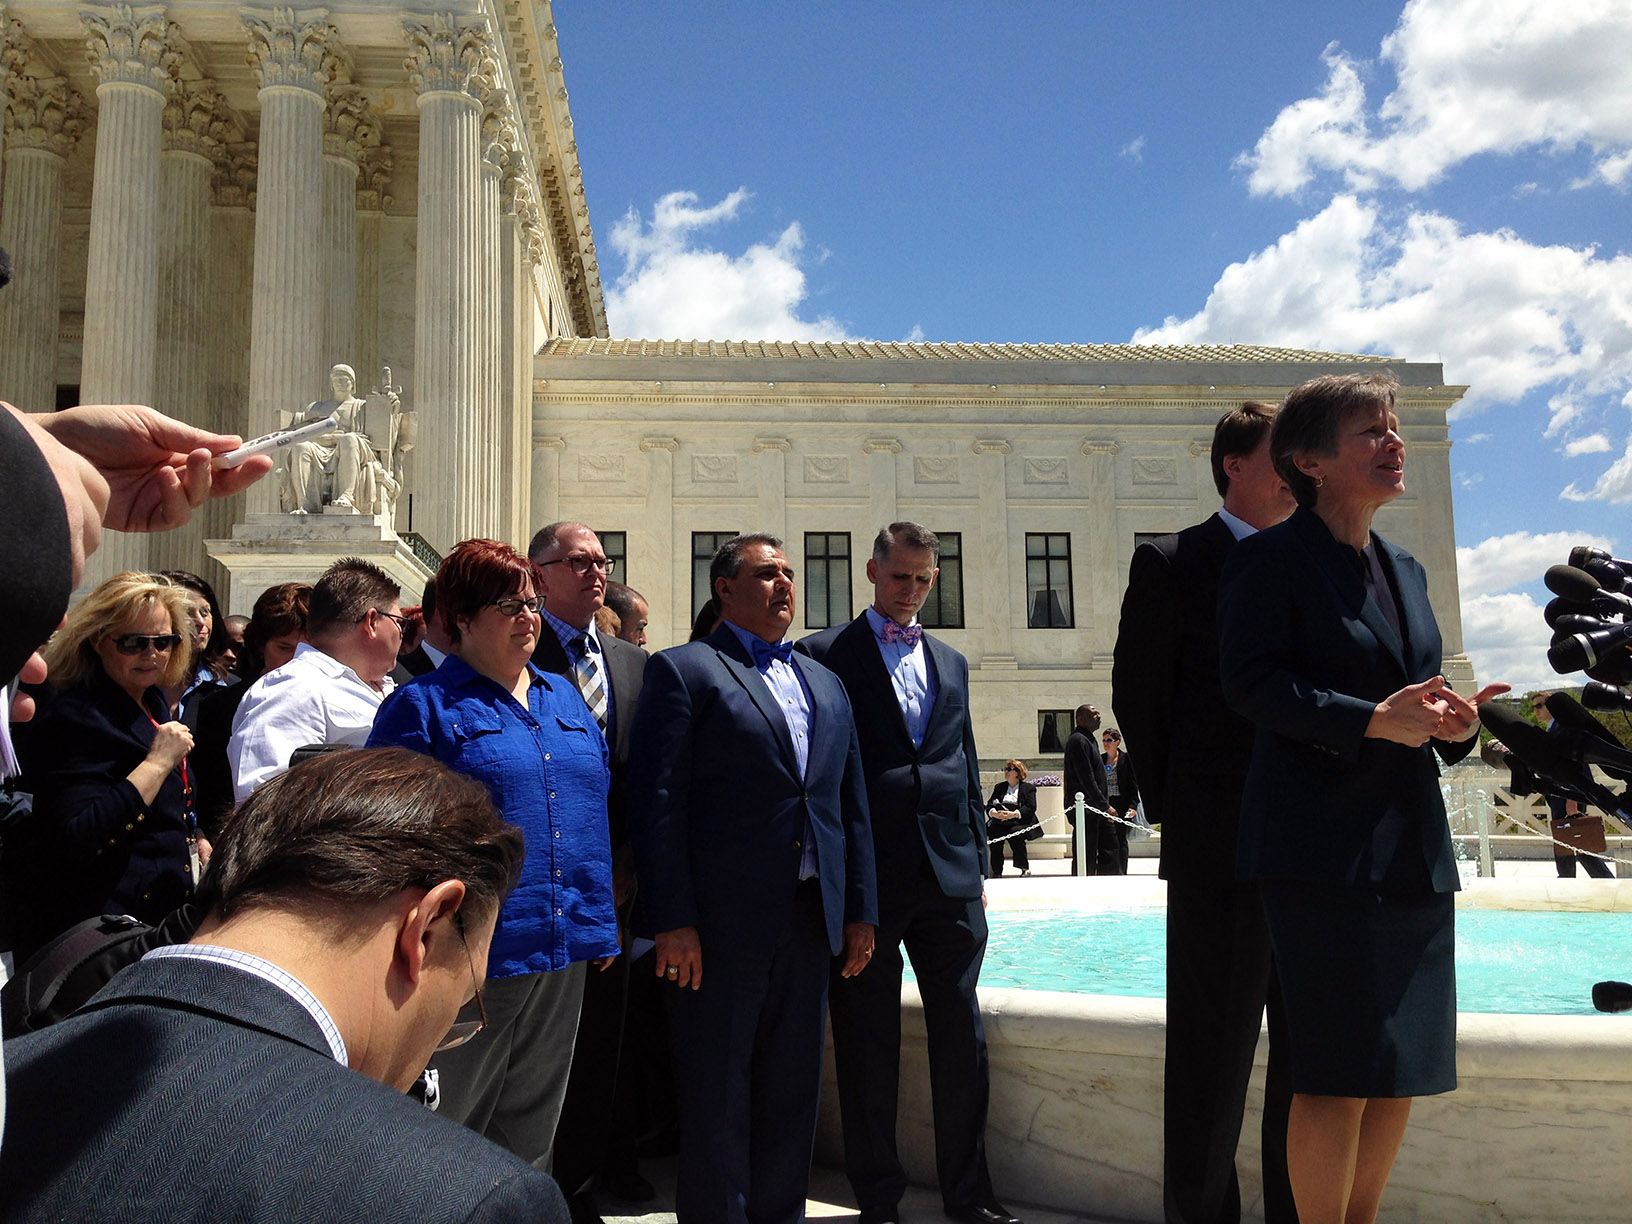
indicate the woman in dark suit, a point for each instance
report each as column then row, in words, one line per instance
column 1122, row 792
column 113, row 827
column 1011, row 809
column 1328, row 644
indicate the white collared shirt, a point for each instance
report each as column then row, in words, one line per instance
column 267, row 972
column 908, row 669
column 1239, row 527
column 312, row 699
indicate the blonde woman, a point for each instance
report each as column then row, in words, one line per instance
column 113, row 830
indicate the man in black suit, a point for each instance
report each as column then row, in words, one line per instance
column 910, row 694
column 1085, row 776
column 257, row 1073
column 1165, row 690
column 434, row 644
column 749, row 814
column 575, row 573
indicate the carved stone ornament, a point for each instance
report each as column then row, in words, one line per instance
column 374, row 163
column 192, row 118
column 1101, row 448
column 347, row 120
column 764, row 445
column 233, row 182
column 936, row 469
column 130, row 44
column 600, row 469
column 447, row 56
column 714, row 469
column 1197, row 449
column 1047, row 471
column 827, row 469
column 290, row 47
column 358, row 468
column 881, row 446
column 44, row 112
column 991, row 446
column 1155, row 472
column 659, row 443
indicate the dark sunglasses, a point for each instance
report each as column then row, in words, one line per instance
column 462, row 1031
column 140, row 643
column 509, row 607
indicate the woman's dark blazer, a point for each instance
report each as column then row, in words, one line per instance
column 1306, row 654
column 1028, row 806
column 101, row 849
column 1127, row 782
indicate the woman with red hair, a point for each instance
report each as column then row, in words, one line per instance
column 526, row 734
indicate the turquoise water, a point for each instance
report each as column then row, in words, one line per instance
column 1506, row 960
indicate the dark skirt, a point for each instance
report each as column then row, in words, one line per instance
column 1369, row 981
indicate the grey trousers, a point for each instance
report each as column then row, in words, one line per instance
column 508, row 1081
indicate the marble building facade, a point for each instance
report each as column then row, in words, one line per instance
column 208, row 205
column 1041, row 466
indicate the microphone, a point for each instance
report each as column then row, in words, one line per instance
column 1577, row 584
column 1561, row 607
column 1546, row 755
column 1598, row 696
column 1571, row 623
column 1585, row 552
column 1579, row 651
column 1610, row 576
column 1598, row 745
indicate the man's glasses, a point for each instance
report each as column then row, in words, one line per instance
column 581, row 565
column 509, row 607
column 402, row 621
column 139, row 643
column 462, row 1031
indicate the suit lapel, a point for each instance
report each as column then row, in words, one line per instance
column 1417, row 623
column 859, row 640
column 1337, row 563
column 736, row 661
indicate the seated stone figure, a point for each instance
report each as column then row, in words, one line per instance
column 351, row 468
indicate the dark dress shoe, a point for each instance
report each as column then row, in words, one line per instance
column 982, row 1213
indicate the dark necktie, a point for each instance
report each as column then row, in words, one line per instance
column 588, row 679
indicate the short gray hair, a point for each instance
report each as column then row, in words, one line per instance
column 906, row 534
column 1310, row 417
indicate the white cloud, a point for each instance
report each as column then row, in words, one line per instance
column 1504, row 315
column 1592, row 444
column 1506, row 639
column 675, row 287
column 1615, row 485
column 1470, row 77
column 1503, row 562
column 1134, row 150
column 915, row 336
column 1476, row 439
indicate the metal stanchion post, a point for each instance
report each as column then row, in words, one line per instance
column 1481, row 813
column 1079, row 843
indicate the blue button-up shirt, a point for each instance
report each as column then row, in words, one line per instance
column 546, row 767
column 570, row 639
column 788, row 688
column 910, row 675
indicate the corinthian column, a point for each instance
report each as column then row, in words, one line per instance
column 44, row 121
column 185, row 168
column 374, row 172
column 516, row 352
column 232, row 242
column 133, row 64
column 287, row 51
column 348, row 110
column 449, row 65
column 498, row 141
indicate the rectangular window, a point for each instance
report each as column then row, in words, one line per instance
column 1048, row 580
column 1053, row 729
column 615, row 544
column 827, row 578
column 944, row 607
column 704, row 544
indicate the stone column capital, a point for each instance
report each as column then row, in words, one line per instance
column 450, row 56
column 233, row 182
column 881, row 446
column 991, row 446
column 1095, row 447
column 196, row 118
column 658, row 442
column 552, row 442
column 1198, row 449
column 762, row 445
column 130, row 44
column 348, row 123
column 374, row 164
column 500, row 134
column 290, row 47
column 44, row 112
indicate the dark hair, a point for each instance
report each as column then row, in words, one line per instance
column 706, row 621
column 1085, row 713
column 1111, row 733
column 728, row 557
column 907, row 535
column 1312, row 414
column 346, row 829
column 218, row 643
column 621, row 599
column 348, row 590
column 280, row 610
column 1019, row 767
column 427, row 600
column 1239, row 431
column 477, row 573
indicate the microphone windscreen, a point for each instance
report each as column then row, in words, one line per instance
column 1571, row 583
column 1526, row 741
column 1561, row 607
column 1599, row 696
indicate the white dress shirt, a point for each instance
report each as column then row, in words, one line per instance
column 267, row 972
column 312, row 699
column 910, row 676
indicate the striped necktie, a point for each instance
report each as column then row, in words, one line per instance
column 587, row 676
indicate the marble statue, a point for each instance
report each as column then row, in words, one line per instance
column 357, row 468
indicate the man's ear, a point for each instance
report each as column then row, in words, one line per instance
column 427, row 920
column 1232, row 466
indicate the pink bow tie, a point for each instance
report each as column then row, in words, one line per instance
column 909, row 635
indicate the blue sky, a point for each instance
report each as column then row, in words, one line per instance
column 1443, row 181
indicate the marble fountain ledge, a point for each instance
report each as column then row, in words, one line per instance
column 1537, row 1131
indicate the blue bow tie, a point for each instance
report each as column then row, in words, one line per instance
column 764, row 652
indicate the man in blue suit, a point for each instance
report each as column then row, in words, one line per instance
column 755, row 861
column 910, row 693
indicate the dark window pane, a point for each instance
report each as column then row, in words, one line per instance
column 827, row 578
column 944, row 607
column 704, row 544
column 1048, row 581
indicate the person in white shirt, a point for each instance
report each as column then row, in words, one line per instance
column 329, row 692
